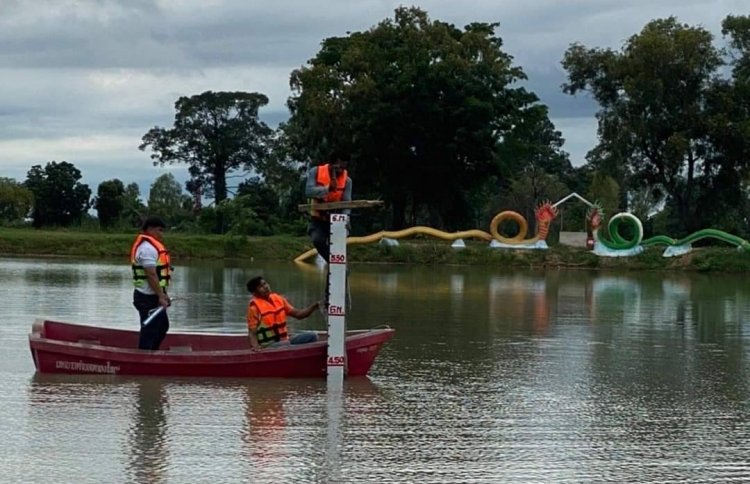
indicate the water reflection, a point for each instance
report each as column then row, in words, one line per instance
column 542, row 376
column 295, row 429
column 72, row 419
column 264, row 429
column 290, row 430
column 537, row 300
column 332, row 470
column 147, row 435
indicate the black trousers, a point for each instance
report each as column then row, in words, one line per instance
column 319, row 232
column 152, row 335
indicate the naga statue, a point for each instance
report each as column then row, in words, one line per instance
column 545, row 213
column 615, row 244
column 621, row 246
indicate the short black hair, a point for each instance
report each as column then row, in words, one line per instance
column 153, row 222
column 254, row 283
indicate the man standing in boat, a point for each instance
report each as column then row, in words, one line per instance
column 152, row 269
column 266, row 317
column 329, row 182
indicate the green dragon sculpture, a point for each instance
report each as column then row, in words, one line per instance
column 595, row 216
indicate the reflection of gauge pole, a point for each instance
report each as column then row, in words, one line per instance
column 335, row 404
column 676, row 296
column 494, row 290
column 457, row 287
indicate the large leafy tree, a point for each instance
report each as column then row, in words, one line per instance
column 414, row 100
column 536, row 168
column 653, row 118
column 59, row 197
column 281, row 174
column 15, row 200
column 724, row 197
column 109, row 202
column 264, row 204
column 533, row 144
column 738, row 30
column 167, row 199
column 215, row 133
column 133, row 209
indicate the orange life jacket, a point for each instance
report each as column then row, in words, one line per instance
column 323, row 178
column 272, row 327
column 163, row 263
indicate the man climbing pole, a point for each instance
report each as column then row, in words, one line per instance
column 329, row 182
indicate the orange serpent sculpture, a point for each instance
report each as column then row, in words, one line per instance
column 545, row 213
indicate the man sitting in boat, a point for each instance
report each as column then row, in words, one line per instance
column 266, row 317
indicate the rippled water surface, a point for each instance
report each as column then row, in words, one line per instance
column 493, row 376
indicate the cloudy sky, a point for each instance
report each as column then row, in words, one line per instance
column 83, row 80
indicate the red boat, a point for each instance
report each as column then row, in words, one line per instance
column 59, row 347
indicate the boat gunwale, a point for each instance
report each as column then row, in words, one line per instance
column 354, row 339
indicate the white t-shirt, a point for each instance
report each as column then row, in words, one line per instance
column 146, row 255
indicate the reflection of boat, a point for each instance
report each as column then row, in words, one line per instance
column 59, row 347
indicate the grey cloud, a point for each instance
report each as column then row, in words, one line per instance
column 150, row 34
column 60, row 60
column 117, row 34
column 546, row 84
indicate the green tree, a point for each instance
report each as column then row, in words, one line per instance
column 536, row 167
column 284, row 176
column 527, row 191
column 737, row 28
column 414, row 100
column 133, row 209
column 215, row 133
column 265, row 206
column 534, row 145
column 59, row 198
column 15, row 200
column 724, row 196
column 239, row 217
column 605, row 190
column 653, row 96
column 167, row 199
column 109, row 202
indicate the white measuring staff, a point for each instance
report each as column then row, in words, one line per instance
column 336, row 362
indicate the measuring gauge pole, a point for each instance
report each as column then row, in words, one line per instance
column 336, row 362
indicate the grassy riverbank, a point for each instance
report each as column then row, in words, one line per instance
column 60, row 243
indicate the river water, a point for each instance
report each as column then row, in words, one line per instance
column 493, row 376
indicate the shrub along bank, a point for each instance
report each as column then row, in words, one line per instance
column 54, row 243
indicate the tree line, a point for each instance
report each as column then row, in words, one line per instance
column 440, row 127
column 53, row 196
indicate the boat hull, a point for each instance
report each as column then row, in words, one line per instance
column 59, row 347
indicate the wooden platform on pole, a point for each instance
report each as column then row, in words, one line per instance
column 339, row 205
